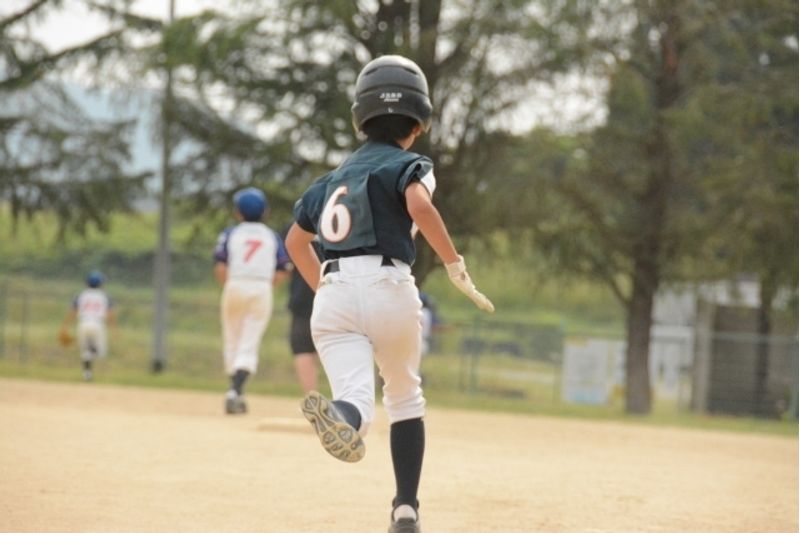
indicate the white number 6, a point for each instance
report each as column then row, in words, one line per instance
column 335, row 223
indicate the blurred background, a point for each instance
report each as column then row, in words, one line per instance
column 622, row 176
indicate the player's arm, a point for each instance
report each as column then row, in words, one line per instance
column 70, row 318
column 64, row 336
column 221, row 257
column 429, row 221
column 220, row 272
column 283, row 263
column 430, row 224
column 298, row 244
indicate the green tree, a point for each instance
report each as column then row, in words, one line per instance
column 53, row 156
column 265, row 98
column 749, row 100
column 692, row 128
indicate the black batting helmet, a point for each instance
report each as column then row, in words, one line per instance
column 391, row 85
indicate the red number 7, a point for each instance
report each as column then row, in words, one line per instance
column 252, row 247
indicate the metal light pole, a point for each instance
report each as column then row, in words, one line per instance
column 162, row 260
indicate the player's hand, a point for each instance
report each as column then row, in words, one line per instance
column 460, row 278
column 65, row 338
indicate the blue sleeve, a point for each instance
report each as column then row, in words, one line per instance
column 221, row 249
column 281, row 254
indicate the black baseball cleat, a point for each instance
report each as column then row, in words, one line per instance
column 405, row 523
column 339, row 438
column 235, row 405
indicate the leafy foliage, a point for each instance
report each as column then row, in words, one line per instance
column 266, row 100
column 692, row 177
column 52, row 155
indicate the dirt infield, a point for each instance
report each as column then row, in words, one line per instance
column 95, row 458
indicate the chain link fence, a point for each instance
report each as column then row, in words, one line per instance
column 706, row 371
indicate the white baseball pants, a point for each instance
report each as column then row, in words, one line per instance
column 92, row 339
column 368, row 311
column 246, row 310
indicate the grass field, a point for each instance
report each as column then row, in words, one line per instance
column 39, row 278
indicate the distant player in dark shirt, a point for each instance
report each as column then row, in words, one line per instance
column 301, row 303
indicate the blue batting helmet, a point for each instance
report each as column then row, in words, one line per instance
column 251, row 203
column 94, row 279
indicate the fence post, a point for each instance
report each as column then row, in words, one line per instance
column 701, row 373
column 468, row 378
column 23, row 329
column 473, row 367
column 3, row 307
column 793, row 400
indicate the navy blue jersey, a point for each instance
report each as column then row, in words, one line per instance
column 360, row 207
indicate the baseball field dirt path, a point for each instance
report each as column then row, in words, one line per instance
column 96, row 458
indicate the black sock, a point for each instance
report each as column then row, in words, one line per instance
column 349, row 412
column 238, row 379
column 87, row 365
column 408, row 447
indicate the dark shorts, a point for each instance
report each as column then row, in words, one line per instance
column 300, row 336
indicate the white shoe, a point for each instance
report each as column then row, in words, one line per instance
column 404, row 519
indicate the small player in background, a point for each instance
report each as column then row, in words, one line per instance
column 93, row 311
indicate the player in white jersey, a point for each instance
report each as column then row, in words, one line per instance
column 93, row 310
column 249, row 260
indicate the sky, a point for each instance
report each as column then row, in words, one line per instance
column 565, row 107
column 74, row 24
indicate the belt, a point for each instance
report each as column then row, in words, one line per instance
column 333, row 265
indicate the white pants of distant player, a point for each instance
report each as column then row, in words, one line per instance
column 246, row 311
column 92, row 339
column 363, row 311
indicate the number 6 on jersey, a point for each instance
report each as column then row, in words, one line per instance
column 335, row 221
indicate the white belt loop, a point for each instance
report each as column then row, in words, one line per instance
column 322, row 267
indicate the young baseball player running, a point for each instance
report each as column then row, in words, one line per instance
column 366, row 305
column 248, row 260
column 93, row 310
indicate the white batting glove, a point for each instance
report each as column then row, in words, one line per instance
column 460, row 278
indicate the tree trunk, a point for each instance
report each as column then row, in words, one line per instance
column 425, row 263
column 638, row 395
column 760, row 399
column 647, row 252
column 429, row 12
